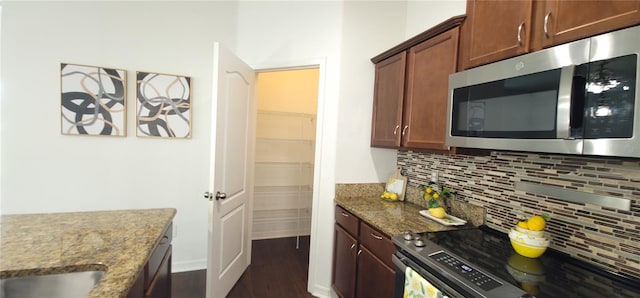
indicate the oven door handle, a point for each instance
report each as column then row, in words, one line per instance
column 403, row 263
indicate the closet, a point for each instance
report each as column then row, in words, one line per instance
column 284, row 157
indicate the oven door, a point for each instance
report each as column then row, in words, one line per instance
column 402, row 262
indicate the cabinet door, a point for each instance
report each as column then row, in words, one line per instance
column 428, row 67
column 388, row 95
column 161, row 284
column 344, row 263
column 571, row 20
column 375, row 279
column 495, row 30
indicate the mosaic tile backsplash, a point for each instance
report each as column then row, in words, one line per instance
column 607, row 237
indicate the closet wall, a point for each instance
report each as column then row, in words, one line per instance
column 285, row 146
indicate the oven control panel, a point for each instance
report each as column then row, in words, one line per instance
column 465, row 271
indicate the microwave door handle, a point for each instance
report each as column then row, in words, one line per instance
column 563, row 113
column 578, row 99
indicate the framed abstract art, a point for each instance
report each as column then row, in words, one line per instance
column 93, row 100
column 163, row 105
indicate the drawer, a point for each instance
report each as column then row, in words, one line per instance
column 157, row 255
column 377, row 242
column 347, row 220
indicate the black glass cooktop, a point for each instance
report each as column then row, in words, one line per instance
column 552, row 275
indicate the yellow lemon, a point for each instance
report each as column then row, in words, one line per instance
column 393, row 196
column 428, row 190
column 437, row 212
column 536, row 223
column 523, row 224
column 436, row 195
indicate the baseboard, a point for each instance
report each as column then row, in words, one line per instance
column 189, row 266
column 320, row 292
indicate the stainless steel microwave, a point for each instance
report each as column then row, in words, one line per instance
column 576, row 98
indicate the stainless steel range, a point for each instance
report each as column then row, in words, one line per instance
column 481, row 263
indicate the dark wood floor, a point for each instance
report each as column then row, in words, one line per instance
column 277, row 269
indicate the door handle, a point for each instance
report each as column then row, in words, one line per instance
column 219, row 196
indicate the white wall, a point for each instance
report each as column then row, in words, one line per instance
column 424, row 14
column 369, row 29
column 44, row 171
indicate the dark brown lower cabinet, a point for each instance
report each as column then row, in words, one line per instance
column 154, row 281
column 362, row 264
column 375, row 279
column 160, row 286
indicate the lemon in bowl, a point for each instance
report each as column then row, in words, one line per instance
column 528, row 239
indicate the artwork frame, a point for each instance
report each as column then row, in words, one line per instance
column 93, row 100
column 163, row 105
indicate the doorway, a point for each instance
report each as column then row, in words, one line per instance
column 276, row 247
column 287, row 103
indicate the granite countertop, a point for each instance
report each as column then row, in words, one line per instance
column 119, row 242
column 392, row 218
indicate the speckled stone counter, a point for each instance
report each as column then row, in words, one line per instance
column 118, row 242
column 392, row 218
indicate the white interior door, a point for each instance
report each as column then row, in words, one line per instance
column 231, row 178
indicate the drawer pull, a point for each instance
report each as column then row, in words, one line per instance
column 359, row 252
column 353, row 245
column 164, row 239
column 520, row 34
column 375, row 236
column 345, row 215
column 546, row 24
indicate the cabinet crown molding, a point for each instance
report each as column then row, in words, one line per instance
column 433, row 31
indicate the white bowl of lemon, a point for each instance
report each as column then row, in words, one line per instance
column 527, row 237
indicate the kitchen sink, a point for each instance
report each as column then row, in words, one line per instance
column 67, row 285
